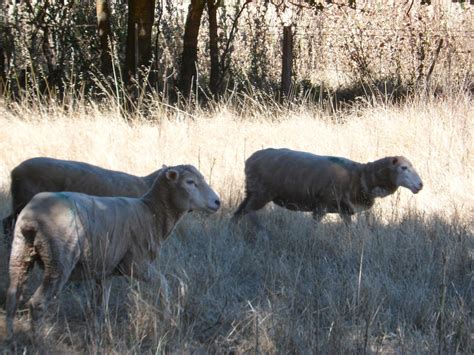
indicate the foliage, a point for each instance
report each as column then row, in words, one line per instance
column 52, row 48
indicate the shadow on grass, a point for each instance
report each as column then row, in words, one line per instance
column 405, row 285
column 300, row 280
column 386, row 90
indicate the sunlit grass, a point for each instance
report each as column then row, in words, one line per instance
column 297, row 286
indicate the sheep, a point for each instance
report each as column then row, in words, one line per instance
column 302, row 181
column 74, row 236
column 47, row 174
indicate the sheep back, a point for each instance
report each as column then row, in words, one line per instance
column 99, row 235
column 300, row 180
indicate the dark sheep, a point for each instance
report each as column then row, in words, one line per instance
column 302, row 181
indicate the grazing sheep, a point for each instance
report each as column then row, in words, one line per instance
column 47, row 174
column 301, row 181
column 74, row 236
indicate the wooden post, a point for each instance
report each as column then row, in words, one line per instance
column 287, row 62
column 105, row 36
column 136, row 49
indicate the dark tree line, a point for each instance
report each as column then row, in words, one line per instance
column 139, row 42
column 42, row 21
column 57, row 45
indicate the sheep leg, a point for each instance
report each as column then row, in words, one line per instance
column 54, row 277
column 318, row 215
column 249, row 205
column 20, row 265
column 252, row 202
column 346, row 210
column 147, row 272
column 165, row 293
column 52, row 283
column 240, row 210
column 347, row 218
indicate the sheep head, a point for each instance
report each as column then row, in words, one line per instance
column 405, row 174
column 190, row 189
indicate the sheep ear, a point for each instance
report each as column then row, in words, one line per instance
column 394, row 161
column 172, row 175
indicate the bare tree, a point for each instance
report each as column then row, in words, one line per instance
column 226, row 55
column 3, row 17
column 287, row 62
column 42, row 21
column 140, row 23
column 190, row 41
column 105, row 35
column 214, row 80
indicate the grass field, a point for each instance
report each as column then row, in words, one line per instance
column 399, row 280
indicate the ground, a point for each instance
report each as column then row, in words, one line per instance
column 399, row 280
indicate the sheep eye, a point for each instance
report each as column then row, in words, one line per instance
column 191, row 182
column 404, row 168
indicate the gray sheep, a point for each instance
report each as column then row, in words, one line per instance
column 302, row 181
column 47, row 174
column 74, row 236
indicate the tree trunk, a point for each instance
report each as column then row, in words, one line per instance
column 51, row 62
column 190, row 41
column 287, row 62
column 2, row 45
column 5, row 45
column 105, row 36
column 2, row 71
column 140, row 23
column 214, row 81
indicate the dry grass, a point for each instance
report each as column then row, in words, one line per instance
column 397, row 281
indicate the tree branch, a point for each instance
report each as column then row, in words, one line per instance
column 224, row 65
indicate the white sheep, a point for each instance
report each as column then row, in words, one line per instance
column 77, row 236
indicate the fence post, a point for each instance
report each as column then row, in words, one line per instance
column 136, row 49
column 287, row 61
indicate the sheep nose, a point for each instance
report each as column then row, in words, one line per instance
column 421, row 186
column 217, row 202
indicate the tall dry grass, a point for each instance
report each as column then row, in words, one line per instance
column 399, row 280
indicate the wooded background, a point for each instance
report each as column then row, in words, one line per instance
column 212, row 47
